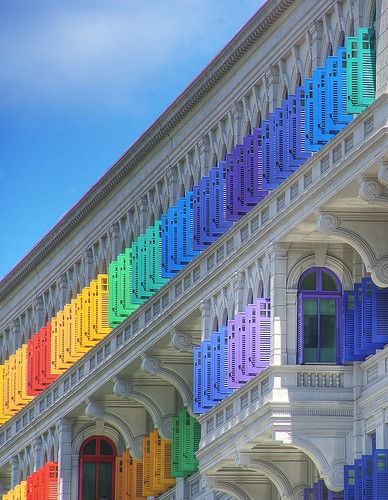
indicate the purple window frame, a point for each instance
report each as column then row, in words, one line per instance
column 318, row 293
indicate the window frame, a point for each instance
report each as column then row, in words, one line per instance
column 319, row 294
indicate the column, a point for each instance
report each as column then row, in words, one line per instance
column 64, row 431
column 278, row 294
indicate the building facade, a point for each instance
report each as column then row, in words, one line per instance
column 224, row 281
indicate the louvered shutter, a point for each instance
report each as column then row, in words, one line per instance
column 185, row 252
column 114, row 316
column 198, row 390
column 197, row 219
column 120, row 491
column 232, row 346
column 367, row 478
column 219, row 341
column 176, row 465
column 208, row 374
column 368, row 314
column 380, row 315
column 218, row 222
column 349, row 482
column 380, row 474
column 350, row 334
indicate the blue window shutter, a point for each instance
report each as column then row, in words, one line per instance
column 349, row 482
column 380, row 474
column 253, row 173
column 368, row 314
column 358, row 478
column 198, row 389
column 219, row 340
column 337, row 116
column 296, row 129
column 380, row 315
column 268, row 140
column 367, row 478
column 231, row 181
column 197, row 216
column 311, row 142
column 207, row 374
column 185, row 252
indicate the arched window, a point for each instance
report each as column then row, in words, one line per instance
column 97, row 465
column 319, row 311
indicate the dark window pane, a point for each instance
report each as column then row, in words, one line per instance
column 104, row 481
column 106, row 448
column 309, row 282
column 328, row 283
column 328, row 328
column 89, row 481
column 90, row 448
column 310, row 330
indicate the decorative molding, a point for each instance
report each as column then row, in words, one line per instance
column 361, row 231
column 372, row 191
column 218, row 484
column 272, row 472
column 182, row 341
column 154, row 366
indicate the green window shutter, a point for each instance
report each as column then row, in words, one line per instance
column 361, row 70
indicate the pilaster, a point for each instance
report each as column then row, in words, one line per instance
column 278, row 267
column 64, row 431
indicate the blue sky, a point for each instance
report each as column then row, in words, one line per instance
column 80, row 81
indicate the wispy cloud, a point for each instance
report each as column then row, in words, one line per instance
column 106, row 48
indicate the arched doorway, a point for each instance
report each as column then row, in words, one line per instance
column 97, row 466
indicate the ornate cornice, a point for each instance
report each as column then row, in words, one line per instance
column 159, row 130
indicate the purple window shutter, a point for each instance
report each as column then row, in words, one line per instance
column 263, row 318
column 308, row 494
column 232, row 347
column 258, row 324
column 218, row 223
column 224, row 361
column 241, row 347
column 359, row 325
